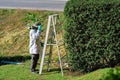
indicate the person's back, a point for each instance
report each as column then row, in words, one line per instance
column 34, row 40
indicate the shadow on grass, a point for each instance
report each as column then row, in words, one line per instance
column 54, row 71
column 13, row 60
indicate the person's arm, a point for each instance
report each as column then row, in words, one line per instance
column 38, row 31
column 34, row 35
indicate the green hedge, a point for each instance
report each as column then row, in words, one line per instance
column 92, row 33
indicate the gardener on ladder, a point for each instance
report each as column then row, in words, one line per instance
column 34, row 49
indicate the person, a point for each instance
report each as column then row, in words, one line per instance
column 34, row 49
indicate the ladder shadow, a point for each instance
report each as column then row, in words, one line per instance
column 54, row 71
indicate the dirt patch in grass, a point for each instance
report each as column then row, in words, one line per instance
column 74, row 74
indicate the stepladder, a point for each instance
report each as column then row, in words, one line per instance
column 51, row 40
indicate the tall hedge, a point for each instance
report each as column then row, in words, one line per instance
column 92, row 33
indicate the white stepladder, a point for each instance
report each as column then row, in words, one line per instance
column 51, row 19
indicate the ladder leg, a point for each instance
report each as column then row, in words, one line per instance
column 45, row 44
column 60, row 60
column 53, row 20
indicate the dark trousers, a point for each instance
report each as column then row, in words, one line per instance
column 34, row 60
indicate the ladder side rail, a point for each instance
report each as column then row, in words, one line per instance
column 45, row 45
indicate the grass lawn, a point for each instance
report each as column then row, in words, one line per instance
column 22, row 72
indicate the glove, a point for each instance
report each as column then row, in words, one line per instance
column 39, row 27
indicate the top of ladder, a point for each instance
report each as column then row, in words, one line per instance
column 54, row 15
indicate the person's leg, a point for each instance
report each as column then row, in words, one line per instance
column 34, row 60
column 32, row 67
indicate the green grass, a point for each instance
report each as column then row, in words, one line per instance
column 22, row 72
column 96, row 75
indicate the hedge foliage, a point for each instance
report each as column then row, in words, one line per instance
column 92, row 33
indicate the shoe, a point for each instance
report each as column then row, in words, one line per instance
column 36, row 70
